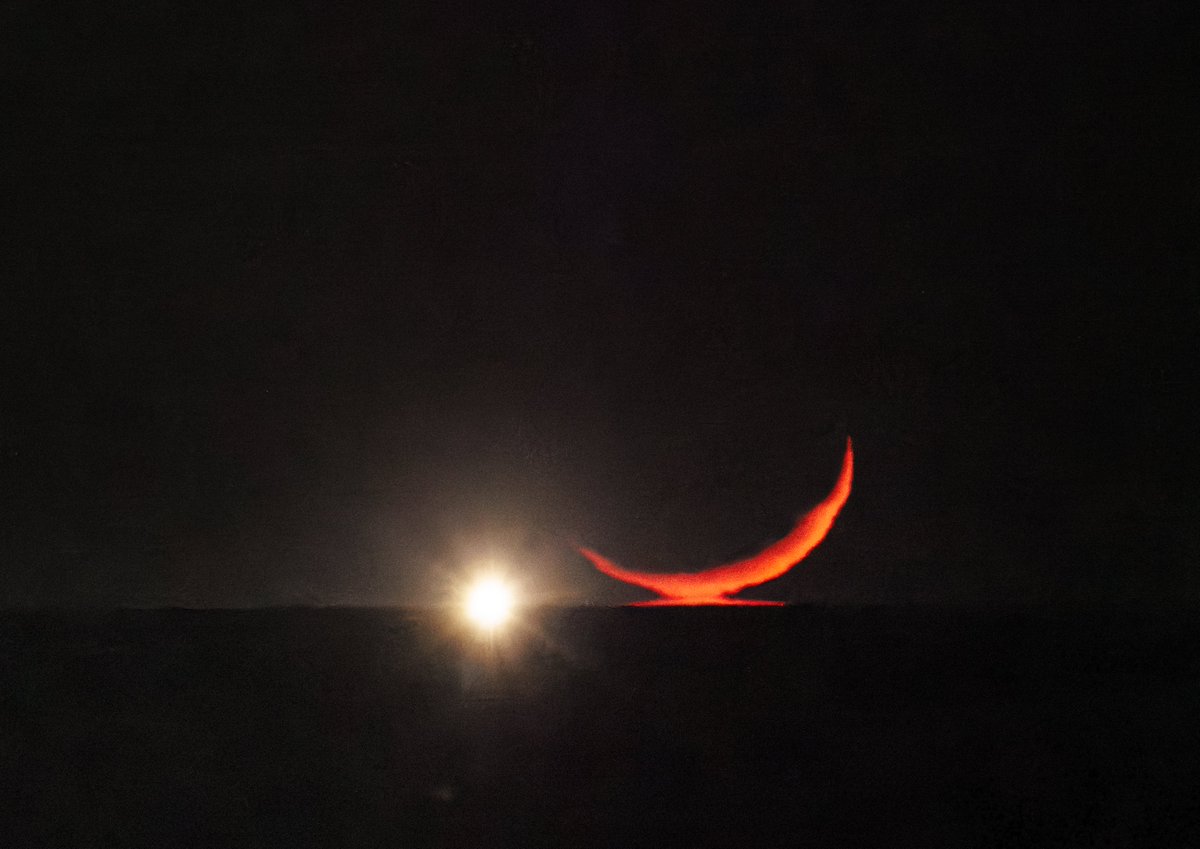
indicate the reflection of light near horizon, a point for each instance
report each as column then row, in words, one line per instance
column 713, row 586
column 715, row 601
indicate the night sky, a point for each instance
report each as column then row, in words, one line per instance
column 314, row 303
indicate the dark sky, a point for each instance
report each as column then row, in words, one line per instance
column 328, row 303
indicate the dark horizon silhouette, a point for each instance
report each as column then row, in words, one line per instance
column 598, row 727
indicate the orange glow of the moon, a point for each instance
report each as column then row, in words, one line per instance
column 713, row 586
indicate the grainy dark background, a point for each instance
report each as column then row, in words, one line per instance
column 826, row 726
column 324, row 303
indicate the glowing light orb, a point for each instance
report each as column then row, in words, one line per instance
column 714, row 586
column 489, row 603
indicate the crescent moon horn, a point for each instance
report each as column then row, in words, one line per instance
column 712, row 586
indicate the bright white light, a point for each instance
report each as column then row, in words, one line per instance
column 489, row 603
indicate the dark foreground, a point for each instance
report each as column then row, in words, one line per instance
column 605, row 727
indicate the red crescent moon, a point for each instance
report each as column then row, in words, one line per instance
column 712, row 586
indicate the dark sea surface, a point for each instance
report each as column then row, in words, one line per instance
column 798, row 726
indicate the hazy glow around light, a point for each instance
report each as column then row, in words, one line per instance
column 489, row 603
